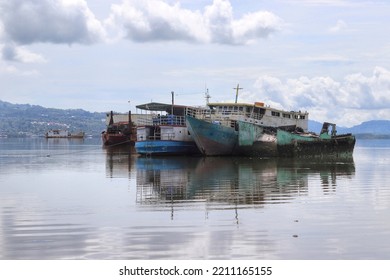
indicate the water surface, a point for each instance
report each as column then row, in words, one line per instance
column 74, row 199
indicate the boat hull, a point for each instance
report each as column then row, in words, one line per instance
column 166, row 147
column 256, row 140
column 295, row 145
column 57, row 133
column 110, row 139
column 69, row 137
column 261, row 141
column 212, row 139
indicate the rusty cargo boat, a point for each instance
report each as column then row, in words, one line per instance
column 120, row 132
column 293, row 141
column 216, row 129
column 328, row 144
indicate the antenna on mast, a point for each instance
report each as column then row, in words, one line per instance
column 173, row 101
column 207, row 96
column 237, row 89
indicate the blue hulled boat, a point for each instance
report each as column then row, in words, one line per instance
column 162, row 131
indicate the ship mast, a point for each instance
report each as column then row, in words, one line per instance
column 207, row 96
column 237, row 89
column 173, row 101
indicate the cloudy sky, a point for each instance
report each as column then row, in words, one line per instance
column 329, row 57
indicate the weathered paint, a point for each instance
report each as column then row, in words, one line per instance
column 164, row 139
column 119, row 133
column 256, row 140
column 287, row 138
column 323, row 146
column 215, row 129
column 262, row 141
column 166, row 147
column 212, row 139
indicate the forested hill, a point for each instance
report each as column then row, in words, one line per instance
column 33, row 120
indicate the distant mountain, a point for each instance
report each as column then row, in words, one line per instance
column 373, row 127
column 315, row 126
column 366, row 129
column 29, row 120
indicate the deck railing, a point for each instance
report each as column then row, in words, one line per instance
column 162, row 120
column 157, row 136
column 221, row 115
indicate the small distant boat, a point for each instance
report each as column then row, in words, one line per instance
column 120, row 132
column 163, row 131
column 60, row 133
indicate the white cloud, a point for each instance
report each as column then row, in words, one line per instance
column 50, row 21
column 218, row 19
column 356, row 98
column 156, row 20
column 256, row 25
column 20, row 54
column 6, row 69
column 340, row 26
column 368, row 92
column 25, row 22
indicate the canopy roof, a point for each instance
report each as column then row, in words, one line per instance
column 162, row 107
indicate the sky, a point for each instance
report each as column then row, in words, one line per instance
column 328, row 57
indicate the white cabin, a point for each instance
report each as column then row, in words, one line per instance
column 228, row 113
column 57, row 133
column 165, row 133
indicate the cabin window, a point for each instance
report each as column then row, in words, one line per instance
column 302, row 117
column 275, row 114
column 288, row 116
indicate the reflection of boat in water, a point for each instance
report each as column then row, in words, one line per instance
column 163, row 178
column 237, row 181
column 119, row 161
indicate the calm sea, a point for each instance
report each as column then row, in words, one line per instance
column 74, row 199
